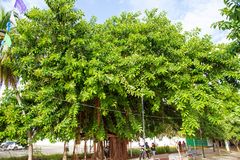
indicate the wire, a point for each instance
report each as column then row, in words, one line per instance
column 136, row 114
column 113, row 110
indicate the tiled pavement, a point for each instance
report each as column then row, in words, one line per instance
column 209, row 154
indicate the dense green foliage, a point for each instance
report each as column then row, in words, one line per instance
column 4, row 18
column 230, row 124
column 83, row 78
column 68, row 64
column 232, row 13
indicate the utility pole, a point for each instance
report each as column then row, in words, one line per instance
column 143, row 123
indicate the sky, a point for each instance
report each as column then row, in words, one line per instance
column 191, row 13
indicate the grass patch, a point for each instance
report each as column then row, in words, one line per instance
column 45, row 157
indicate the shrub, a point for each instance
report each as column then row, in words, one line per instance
column 135, row 152
column 165, row 149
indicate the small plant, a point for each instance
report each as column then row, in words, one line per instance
column 135, row 152
column 165, row 149
column 37, row 152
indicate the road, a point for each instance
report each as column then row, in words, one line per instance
column 40, row 148
column 7, row 154
column 43, row 149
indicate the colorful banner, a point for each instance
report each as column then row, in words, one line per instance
column 19, row 4
column 7, row 40
column 8, row 26
column 12, row 19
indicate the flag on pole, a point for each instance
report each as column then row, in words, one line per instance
column 7, row 40
column 8, row 26
column 19, row 4
column 13, row 20
column 1, row 45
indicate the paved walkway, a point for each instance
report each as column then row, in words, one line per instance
column 209, row 155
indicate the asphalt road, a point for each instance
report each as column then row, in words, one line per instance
column 43, row 149
column 17, row 153
column 39, row 149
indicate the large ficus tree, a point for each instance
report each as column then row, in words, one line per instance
column 86, row 80
column 68, row 65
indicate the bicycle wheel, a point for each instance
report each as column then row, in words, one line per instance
column 141, row 156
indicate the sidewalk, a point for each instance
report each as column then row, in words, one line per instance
column 209, row 154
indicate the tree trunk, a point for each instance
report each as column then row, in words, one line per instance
column 235, row 142
column 227, row 145
column 237, row 147
column 99, row 151
column 29, row 132
column 30, row 146
column 94, row 150
column 99, row 154
column 85, row 149
column 214, row 145
column 118, row 148
column 203, row 153
column 65, row 151
column 201, row 134
column 218, row 147
column 76, row 148
column 30, row 152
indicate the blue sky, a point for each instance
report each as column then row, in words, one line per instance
column 191, row 13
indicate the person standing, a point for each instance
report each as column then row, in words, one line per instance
column 180, row 146
column 153, row 149
column 147, row 149
column 184, row 146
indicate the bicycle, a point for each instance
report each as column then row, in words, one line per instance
column 144, row 155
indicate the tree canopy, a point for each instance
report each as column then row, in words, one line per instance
column 80, row 78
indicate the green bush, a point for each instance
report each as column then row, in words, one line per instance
column 135, row 152
column 165, row 149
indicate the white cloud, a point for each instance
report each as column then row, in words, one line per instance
column 202, row 15
column 35, row 3
column 191, row 13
